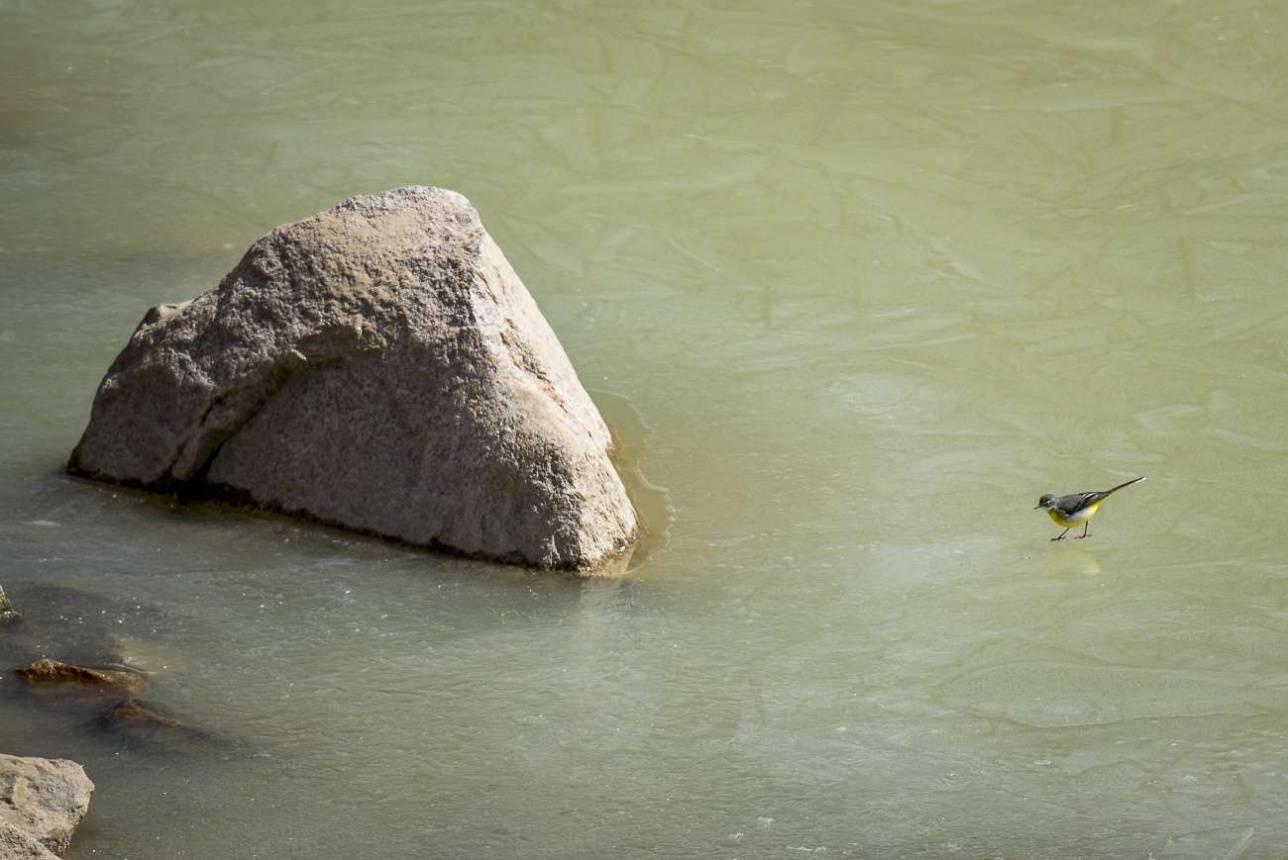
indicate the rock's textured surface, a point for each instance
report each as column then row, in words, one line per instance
column 41, row 801
column 8, row 615
column 47, row 671
column 378, row 366
column 17, row 844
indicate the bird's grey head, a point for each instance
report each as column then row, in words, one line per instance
column 1046, row 501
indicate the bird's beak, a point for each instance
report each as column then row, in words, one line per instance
column 1037, row 507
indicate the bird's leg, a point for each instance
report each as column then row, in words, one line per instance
column 1062, row 534
column 1084, row 530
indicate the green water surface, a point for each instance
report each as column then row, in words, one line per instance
column 866, row 279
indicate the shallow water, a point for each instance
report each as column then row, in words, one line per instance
column 872, row 277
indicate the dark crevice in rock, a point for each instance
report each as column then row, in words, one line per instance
column 295, row 364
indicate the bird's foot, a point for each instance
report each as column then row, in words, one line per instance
column 1054, row 539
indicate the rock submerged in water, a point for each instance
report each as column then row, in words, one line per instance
column 41, row 802
column 48, row 671
column 379, row 366
column 155, row 727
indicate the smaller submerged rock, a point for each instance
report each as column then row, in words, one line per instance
column 41, row 802
column 8, row 614
column 155, row 726
column 48, row 671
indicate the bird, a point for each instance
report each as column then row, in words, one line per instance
column 1076, row 508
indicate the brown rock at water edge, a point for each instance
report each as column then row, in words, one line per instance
column 49, row 671
column 41, row 803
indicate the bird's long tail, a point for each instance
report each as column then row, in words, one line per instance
column 1127, row 484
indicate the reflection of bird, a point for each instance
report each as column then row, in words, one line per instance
column 1076, row 508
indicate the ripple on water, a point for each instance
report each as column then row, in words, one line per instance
column 1051, row 694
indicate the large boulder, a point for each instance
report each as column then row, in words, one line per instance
column 41, row 802
column 378, row 366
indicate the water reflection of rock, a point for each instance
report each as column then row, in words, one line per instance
column 652, row 502
column 83, row 627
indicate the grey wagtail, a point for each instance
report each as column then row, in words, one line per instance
column 1076, row 508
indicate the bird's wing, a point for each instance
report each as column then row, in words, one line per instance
column 1074, row 502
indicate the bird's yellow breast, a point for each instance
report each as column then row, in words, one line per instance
column 1077, row 519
